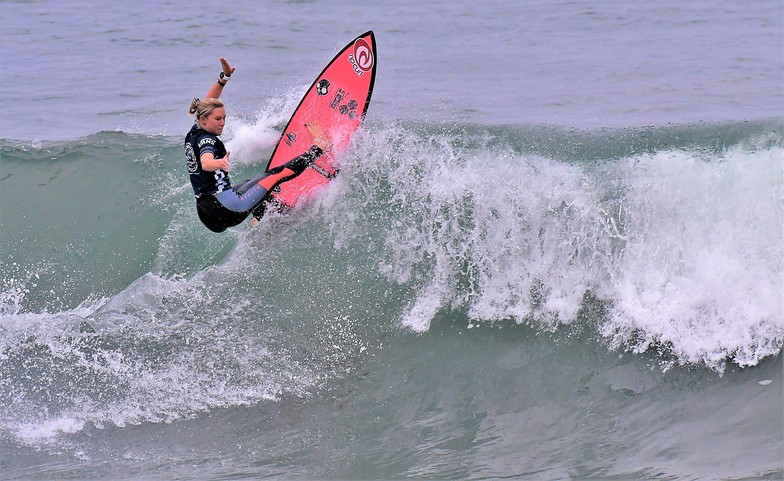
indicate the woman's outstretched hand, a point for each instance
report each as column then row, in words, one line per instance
column 227, row 68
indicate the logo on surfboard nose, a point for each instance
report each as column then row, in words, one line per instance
column 362, row 58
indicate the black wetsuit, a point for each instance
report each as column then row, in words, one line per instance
column 220, row 205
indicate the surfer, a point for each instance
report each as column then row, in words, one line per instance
column 221, row 205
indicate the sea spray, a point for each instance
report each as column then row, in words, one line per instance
column 682, row 243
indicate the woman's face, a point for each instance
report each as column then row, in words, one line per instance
column 214, row 122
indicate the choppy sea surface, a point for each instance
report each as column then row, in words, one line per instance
column 555, row 251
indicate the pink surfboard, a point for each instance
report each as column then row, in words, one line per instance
column 338, row 100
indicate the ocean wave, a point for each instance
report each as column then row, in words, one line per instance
column 664, row 241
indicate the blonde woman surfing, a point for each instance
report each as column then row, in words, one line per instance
column 221, row 205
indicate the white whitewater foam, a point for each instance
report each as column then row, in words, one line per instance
column 686, row 247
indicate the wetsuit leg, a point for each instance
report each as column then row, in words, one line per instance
column 244, row 185
column 251, row 193
column 216, row 217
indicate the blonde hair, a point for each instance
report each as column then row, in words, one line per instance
column 204, row 107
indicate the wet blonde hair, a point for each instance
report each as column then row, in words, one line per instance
column 202, row 108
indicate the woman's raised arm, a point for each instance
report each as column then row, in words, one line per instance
column 217, row 88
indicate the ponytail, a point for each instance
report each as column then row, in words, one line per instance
column 203, row 107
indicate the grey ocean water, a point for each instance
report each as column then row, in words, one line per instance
column 554, row 252
column 85, row 66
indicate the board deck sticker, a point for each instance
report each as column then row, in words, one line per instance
column 338, row 100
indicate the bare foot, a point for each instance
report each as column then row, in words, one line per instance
column 319, row 137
